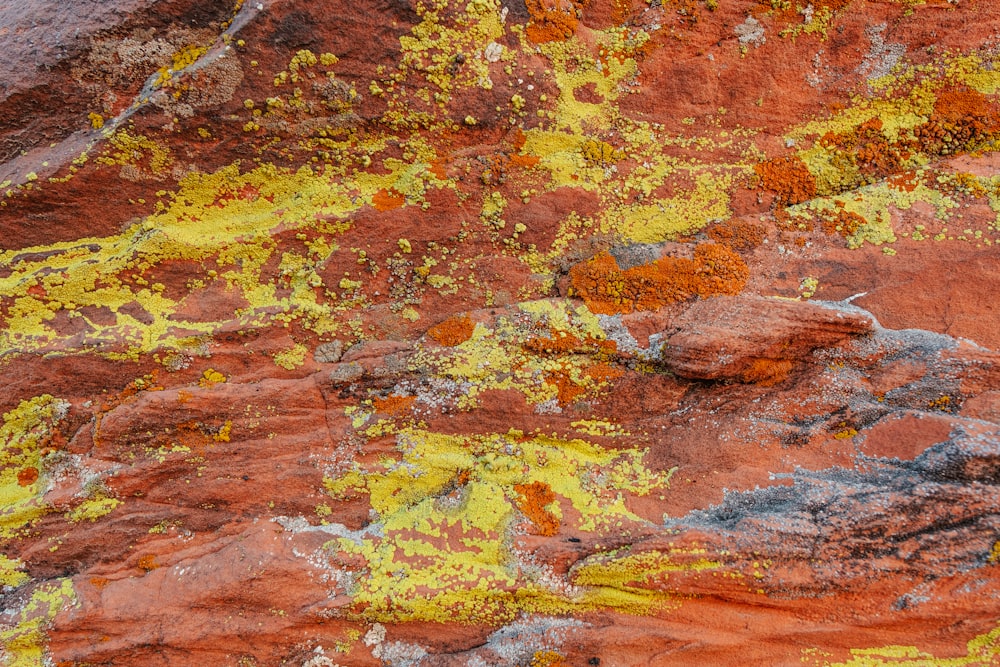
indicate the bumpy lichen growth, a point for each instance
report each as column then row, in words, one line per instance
column 453, row 331
column 875, row 156
column 225, row 218
column 981, row 650
column 510, row 354
column 25, row 432
column 446, row 508
column 714, row 270
column 24, row 644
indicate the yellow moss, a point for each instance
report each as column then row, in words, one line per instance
column 808, row 287
column 598, row 427
column 668, row 218
column 180, row 60
column 224, row 432
column 126, row 148
column 492, row 212
column 227, row 216
column 901, row 107
column 429, row 48
column 630, row 572
column 600, row 153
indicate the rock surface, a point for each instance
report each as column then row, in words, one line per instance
column 502, row 332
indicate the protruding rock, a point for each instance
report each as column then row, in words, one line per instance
column 347, row 372
column 725, row 338
column 329, row 353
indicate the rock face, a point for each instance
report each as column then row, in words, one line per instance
column 500, row 332
column 736, row 337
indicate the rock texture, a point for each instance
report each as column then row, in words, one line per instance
column 500, row 332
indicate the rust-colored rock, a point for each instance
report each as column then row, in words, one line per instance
column 754, row 338
column 504, row 332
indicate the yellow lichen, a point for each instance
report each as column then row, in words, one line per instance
column 10, row 572
column 980, row 651
column 445, row 506
column 25, row 431
column 210, row 378
column 291, row 358
column 24, row 644
column 93, row 509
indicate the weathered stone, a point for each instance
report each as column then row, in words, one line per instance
column 329, row 353
column 721, row 338
column 334, row 333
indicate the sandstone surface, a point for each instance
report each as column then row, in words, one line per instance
column 500, row 332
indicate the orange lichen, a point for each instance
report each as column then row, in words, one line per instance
column 869, row 149
column 534, row 497
column 551, row 20
column 210, row 378
column 452, row 331
column 603, row 373
column 524, row 161
column 718, row 271
column 954, row 105
column 387, row 200
column 767, row 372
column 567, row 391
column 789, row 178
column 548, row 659
column 99, row 582
column 714, row 270
column 147, row 563
column 438, row 169
column 906, row 181
column 393, row 405
column 27, row 476
column 843, row 222
column 738, row 234
column 562, row 343
column 962, row 122
column 559, row 343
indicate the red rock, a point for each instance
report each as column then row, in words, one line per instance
column 291, row 372
column 720, row 338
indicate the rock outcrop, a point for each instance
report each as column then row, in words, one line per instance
column 500, row 332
